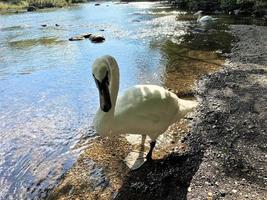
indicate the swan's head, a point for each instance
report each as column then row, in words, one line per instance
column 199, row 13
column 101, row 74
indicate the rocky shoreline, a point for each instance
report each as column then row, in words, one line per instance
column 223, row 156
column 231, row 123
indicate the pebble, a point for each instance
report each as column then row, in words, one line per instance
column 207, row 183
column 234, row 191
column 209, row 196
column 250, row 126
column 222, row 193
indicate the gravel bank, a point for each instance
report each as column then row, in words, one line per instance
column 232, row 123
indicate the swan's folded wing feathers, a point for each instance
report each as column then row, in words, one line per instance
column 144, row 102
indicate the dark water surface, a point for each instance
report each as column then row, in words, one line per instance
column 48, row 97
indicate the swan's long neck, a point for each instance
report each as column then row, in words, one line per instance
column 199, row 16
column 114, row 83
column 104, row 121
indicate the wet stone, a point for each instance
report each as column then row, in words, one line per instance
column 222, row 193
column 86, row 35
column 234, row 191
column 97, row 38
column 76, row 38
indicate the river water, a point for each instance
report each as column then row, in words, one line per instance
column 48, row 97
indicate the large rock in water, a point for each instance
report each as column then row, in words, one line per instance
column 97, row 38
column 31, row 8
column 90, row 36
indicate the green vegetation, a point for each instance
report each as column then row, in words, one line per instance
column 257, row 7
column 24, row 4
column 13, row 6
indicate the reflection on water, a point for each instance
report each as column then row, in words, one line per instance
column 195, row 53
column 47, row 95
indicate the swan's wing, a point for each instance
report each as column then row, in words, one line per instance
column 146, row 106
column 206, row 18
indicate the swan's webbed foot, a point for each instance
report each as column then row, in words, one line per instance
column 149, row 155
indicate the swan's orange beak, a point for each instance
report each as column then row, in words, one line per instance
column 104, row 96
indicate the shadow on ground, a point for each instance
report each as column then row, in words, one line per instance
column 167, row 178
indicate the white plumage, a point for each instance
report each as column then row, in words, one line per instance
column 204, row 19
column 142, row 109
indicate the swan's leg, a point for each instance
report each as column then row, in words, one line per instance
column 149, row 155
column 143, row 143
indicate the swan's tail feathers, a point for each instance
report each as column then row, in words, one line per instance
column 186, row 106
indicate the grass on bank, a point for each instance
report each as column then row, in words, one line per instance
column 11, row 6
column 24, row 4
column 257, row 7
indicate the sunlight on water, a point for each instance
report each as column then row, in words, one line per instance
column 47, row 95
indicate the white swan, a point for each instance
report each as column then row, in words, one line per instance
column 142, row 109
column 204, row 19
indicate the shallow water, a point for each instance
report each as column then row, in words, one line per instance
column 47, row 94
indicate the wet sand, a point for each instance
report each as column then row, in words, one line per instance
column 223, row 155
